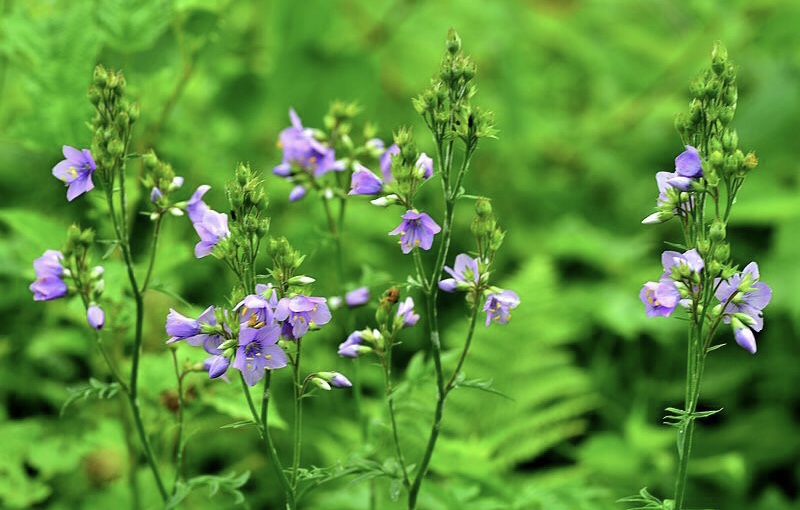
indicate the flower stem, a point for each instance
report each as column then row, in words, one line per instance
column 298, row 417
column 271, row 451
column 387, row 372
column 179, row 440
column 153, row 249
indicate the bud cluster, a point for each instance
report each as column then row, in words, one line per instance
column 111, row 124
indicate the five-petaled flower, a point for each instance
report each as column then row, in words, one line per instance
column 258, row 351
column 49, row 272
column 464, row 276
column 405, row 313
column 498, row 306
column 195, row 331
column 298, row 312
column 212, row 229
column 76, row 171
column 364, row 182
column 302, row 149
column 743, row 298
column 660, row 298
column 416, row 229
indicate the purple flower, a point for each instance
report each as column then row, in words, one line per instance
column 405, row 313
column 258, row 351
column 180, row 327
column 464, row 276
column 364, row 182
column 297, row 193
column 690, row 260
column 298, row 312
column 211, row 229
column 660, row 298
column 95, row 317
column 425, row 163
column 357, row 297
column 385, row 161
column 688, row 164
column 302, row 149
column 335, row 379
column 216, row 366
column 498, row 306
column 76, row 171
column 353, row 346
column 744, row 298
column 49, row 271
column 257, row 308
column 195, row 207
column 416, row 229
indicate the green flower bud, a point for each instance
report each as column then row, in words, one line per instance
column 453, row 44
column 719, row 57
column 730, row 140
column 133, row 112
column 94, row 96
column 716, row 159
column 300, row 280
column 717, row 231
column 725, row 114
column 115, row 147
column 100, row 76
column 722, row 252
column 697, row 88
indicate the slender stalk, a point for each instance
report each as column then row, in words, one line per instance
column 179, row 440
column 387, row 372
column 470, row 332
column 153, row 249
column 298, row 417
column 271, row 451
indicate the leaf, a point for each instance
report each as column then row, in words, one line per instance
column 95, row 389
column 227, row 484
column 478, row 384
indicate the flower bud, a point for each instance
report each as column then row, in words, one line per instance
column 453, row 44
column 300, row 280
column 321, row 383
column 100, row 76
column 719, row 57
column 336, row 379
column 722, row 252
column 115, row 147
column 730, row 140
column 95, row 316
column 717, row 231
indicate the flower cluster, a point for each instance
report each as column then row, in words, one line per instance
column 365, row 182
column 372, row 340
column 741, row 297
column 672, row 200
column 304, row 157
column 248, row 339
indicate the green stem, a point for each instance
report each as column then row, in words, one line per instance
column 153, row 249
column 298, row 417
column 179, row 440
column 387, row 372
column 470, row 333
column 271, row 451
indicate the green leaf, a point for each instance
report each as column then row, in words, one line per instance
column 227, row 484
column 478, row 384
column 95, row 389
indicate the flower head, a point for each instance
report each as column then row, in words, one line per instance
column 302, row 149
column 195, row 332
column 416, row 229
column 425, row 165
column 195, row 207
column 335, row 379
column 95, row 317
column 258, row 351
column 211, row 229
column 405, row 313
column 364, row 182
column 76, row 171
column 353, row 346
column 464, row 276
column 498, row 306
column 357, row 297
column 386, row 161
column 660, row 298
column 298, row 312
column 676, row 263
column 257, row 309
column 744, row 298
column 49, row 272
column 688, row 164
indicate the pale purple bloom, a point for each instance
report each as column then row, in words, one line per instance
column 385, row 161
column 744, row 298
column 351, row 347
column 298, row 312
column 258, row 308
column 405, row 312
column 425, row 163
column 95, row 317
column 416, row 229
column 302, row 149
column 195, row 207
column 216, row 366
column 211, row 229
column 498, row 306
column 155, row 195
column 364, row 182
column 660, row 298
column 690, row 259
column 258, row 351
column 76, row 171
column 180, row 327
column 338, row 380
column 297, row 193
column 464, row 276
column 688, row 164
column 49, row 271
column 357, row 297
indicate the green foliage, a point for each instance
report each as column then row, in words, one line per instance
column 215, row 484
column 95, row 389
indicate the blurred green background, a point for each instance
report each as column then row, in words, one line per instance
column 584, row 95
